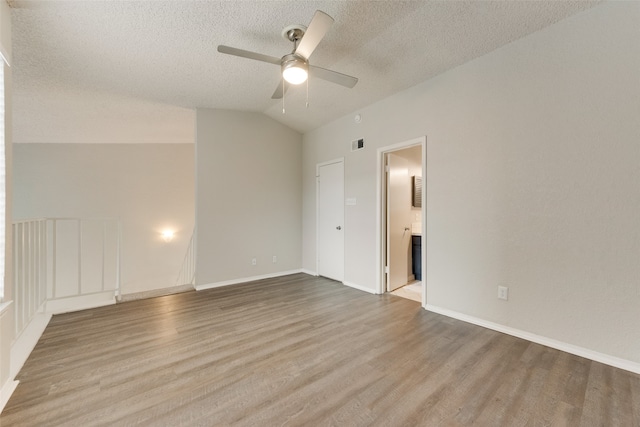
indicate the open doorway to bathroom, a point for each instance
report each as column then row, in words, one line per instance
column 402, row 217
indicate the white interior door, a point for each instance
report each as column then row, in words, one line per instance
column 398, row 221
column 331, row 220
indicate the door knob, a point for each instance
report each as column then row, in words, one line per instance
column 338, row 228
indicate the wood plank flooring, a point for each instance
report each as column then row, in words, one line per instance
column 304, row 351
column 411, row 291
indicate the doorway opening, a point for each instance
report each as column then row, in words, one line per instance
column 402, row 219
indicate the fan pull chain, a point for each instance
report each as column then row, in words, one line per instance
column 307, row 105
column 283, row 95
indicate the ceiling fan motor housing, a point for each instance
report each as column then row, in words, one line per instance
column 294, row 32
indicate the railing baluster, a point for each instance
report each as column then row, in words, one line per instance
column 30, row 279
column 79, row 257
column 54, row 257
column 43, row 257
column 23, row 281
column 35, row 263
column 118, row 242
column 104, row 243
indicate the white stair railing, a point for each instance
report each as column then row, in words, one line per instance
column 187, row 274
column 58, row 258
column 29, row 270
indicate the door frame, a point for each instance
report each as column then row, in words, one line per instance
column 318, row 166
column 381, row 233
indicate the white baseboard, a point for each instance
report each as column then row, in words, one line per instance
column 616, row 362
column 309, row 272
column 27, row 340
column 77, row 303
column 6, row 391
column 360, row 288
column 155, row 293
column 245, row 280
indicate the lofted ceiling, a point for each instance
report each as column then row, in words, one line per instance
column 135, row 71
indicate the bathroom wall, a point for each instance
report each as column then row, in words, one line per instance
column 414, row 156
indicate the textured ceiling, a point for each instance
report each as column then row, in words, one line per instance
column 134, row 71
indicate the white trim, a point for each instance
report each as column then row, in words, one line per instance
column 5, row 306
column 5, row 33
column 380, row 189
column 616, row 362
column 9, row 385
column 309, row 272
column 80, row 302
column 318, row 166
column 360, row 288
column 26, row 342
column 155, row 293
column 423, row 219
column 6, row 391
column 4, row 55
column 245, row 280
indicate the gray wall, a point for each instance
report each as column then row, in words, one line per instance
column 150, row 187
column 532, row 182
column 248, row 196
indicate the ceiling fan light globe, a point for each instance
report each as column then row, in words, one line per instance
column 295, row 70
column 295, row 75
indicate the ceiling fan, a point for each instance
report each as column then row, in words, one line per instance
column 295, row 66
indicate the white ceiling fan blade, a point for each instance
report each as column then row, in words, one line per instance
column 333, row 76
column 248, row 54
column 318, row 27
column 278, row 93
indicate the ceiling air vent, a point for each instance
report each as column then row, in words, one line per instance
column 357, row 144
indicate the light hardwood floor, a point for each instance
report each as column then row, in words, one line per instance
column 411, row 291
column 304, row 351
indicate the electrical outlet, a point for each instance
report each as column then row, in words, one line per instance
column 275, row 259
column 503, row 293
column 254, row 261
